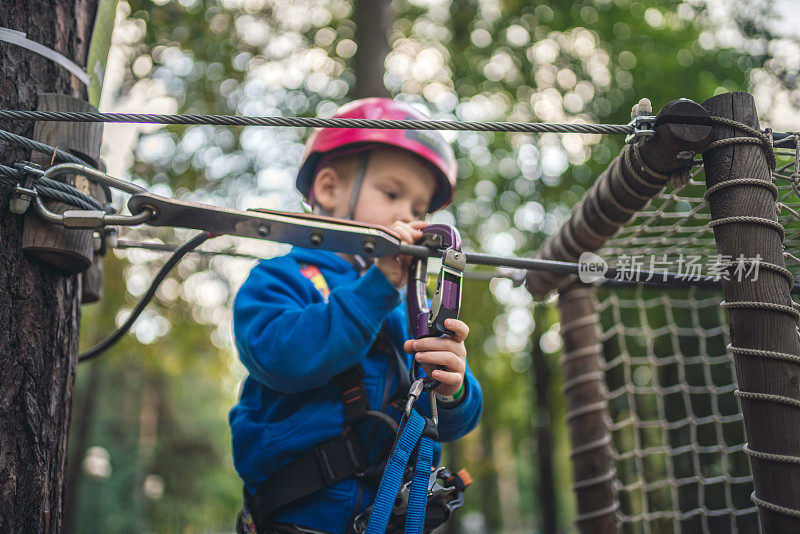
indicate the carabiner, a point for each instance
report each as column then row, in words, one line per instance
column 413, row 395
column 429, row 322
column 92, row 218
column 93, row 175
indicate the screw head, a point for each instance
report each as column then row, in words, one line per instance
column 263, row 230
column 369, row 247
column 315, row 239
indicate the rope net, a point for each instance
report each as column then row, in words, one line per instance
column 676, row 427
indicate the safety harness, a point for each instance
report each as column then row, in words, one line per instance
column 336, row 459
column 430, row 496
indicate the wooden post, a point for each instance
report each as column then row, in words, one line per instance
column 617, row 194
column 542, row 419
column 68, row 249
column 760, row 333
column 587, row 411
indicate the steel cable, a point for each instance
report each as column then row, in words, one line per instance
column 235, row 120
column 146, row 298
column 52, row 189
column 30, row 144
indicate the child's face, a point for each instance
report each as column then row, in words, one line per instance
column 397, row 187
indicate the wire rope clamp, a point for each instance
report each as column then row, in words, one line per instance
column 643, row 129
column 23, row 195
column 70, row 250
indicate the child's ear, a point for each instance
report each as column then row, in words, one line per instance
column 326, row 185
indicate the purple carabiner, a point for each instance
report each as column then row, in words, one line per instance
column 429, row 322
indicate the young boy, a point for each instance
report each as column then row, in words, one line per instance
column 324, row 335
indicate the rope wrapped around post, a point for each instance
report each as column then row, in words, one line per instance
column 593, row 458
column 635, row 176
column 763, row 321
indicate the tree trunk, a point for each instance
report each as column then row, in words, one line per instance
column 148, row 438
column 488, row 476
column 454, row 461
column 39, row 306
column 542, row 420
column 373, row 20
column 78, row 444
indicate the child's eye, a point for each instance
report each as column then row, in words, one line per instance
column 391, row 195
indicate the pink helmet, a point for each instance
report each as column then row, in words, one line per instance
column 428, row 144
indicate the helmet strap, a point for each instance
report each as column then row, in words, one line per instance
column 358, row 182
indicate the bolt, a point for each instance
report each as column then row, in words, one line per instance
column 97, row 242
column 369, row 247
column 315, row 239
column 19, row 204
column 263, row 230
column 111, row 238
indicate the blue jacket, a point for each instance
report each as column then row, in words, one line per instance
column 292, row 343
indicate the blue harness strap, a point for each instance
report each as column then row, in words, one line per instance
column 407, row 441
column 418, row 493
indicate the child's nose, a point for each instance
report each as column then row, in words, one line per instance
column 407, row 215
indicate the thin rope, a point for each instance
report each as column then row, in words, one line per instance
column 741, row 181
column 594, row 514
column 768, row 397
column 775, row 225
column 578, row 484
column 582, row 379
column 589, row 408
column 674, row 180
column 779, row 269
column 774, row 507
column 771, row 306
column 770, row 457
column 596, row 444
column 759, row 353
column 760, row 138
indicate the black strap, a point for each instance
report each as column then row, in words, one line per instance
column 354, row 394
column 331, row 461
column 323, row 465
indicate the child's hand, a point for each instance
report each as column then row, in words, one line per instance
column 395, row 268
column 448, row 352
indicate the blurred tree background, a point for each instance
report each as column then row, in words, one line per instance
column 149, row 443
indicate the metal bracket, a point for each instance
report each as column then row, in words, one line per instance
column 298, row 229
